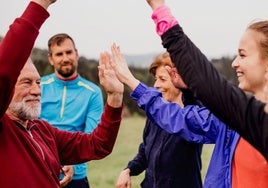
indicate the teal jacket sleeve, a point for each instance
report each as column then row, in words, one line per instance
column 94, row 111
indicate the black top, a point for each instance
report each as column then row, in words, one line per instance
column 168, row 160
column 241, row 112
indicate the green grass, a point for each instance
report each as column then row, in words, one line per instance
column 104, row 173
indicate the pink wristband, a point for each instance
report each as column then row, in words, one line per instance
column 163, row 19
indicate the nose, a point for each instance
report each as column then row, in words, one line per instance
column 35, row 89
column 156, row 84
column 235, row 63
column 65, row 57
column 266, row 77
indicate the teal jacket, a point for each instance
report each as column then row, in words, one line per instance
column 74, row 105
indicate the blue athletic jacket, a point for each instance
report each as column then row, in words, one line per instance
column 195, row 124
column 74, row 105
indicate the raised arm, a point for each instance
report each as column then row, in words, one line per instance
column 191, row 123
column 16, row 46
column 242, row 113
column 100, row 142
column 119, row 65
column 113, row 87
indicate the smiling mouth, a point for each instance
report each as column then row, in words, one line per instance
column 33, row 100
column 67, row 65
column 239, row 74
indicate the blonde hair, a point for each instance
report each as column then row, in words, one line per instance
column 261, row 27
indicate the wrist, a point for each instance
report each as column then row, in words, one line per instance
column 127, row 171
column 115, row 99
column 44, row 3
column 132, row 83
column 155, row 5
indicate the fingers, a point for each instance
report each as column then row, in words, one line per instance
column 116, row 54
column 104, row 61
column 103, row 58
column 171, row 71
column 101, row 65
column 68, row 175
column 65, row 181
column 124, row 180
column 118, row 57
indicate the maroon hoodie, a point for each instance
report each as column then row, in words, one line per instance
column 32, row 157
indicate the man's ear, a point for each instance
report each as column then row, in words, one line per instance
column 49, row 57
column 77, row 55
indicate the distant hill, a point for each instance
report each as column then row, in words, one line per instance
column 140, row 61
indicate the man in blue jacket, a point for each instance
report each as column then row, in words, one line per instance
column 70, row 102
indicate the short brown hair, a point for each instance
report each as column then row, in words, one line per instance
column 160, row 60
column 58, row 39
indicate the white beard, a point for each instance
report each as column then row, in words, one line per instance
column 25, row 111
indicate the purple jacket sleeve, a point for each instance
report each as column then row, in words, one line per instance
column 193, row 123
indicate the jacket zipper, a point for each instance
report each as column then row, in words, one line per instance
column 36, row 143
column 63, row 101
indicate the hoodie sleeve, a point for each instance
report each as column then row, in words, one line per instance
column 16, row 47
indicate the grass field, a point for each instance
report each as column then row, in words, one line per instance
column 104, row 173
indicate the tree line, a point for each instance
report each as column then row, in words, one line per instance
column 88, row 68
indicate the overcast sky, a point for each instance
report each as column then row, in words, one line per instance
column 214, row 26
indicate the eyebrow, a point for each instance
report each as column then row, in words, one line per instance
column 30, row 79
